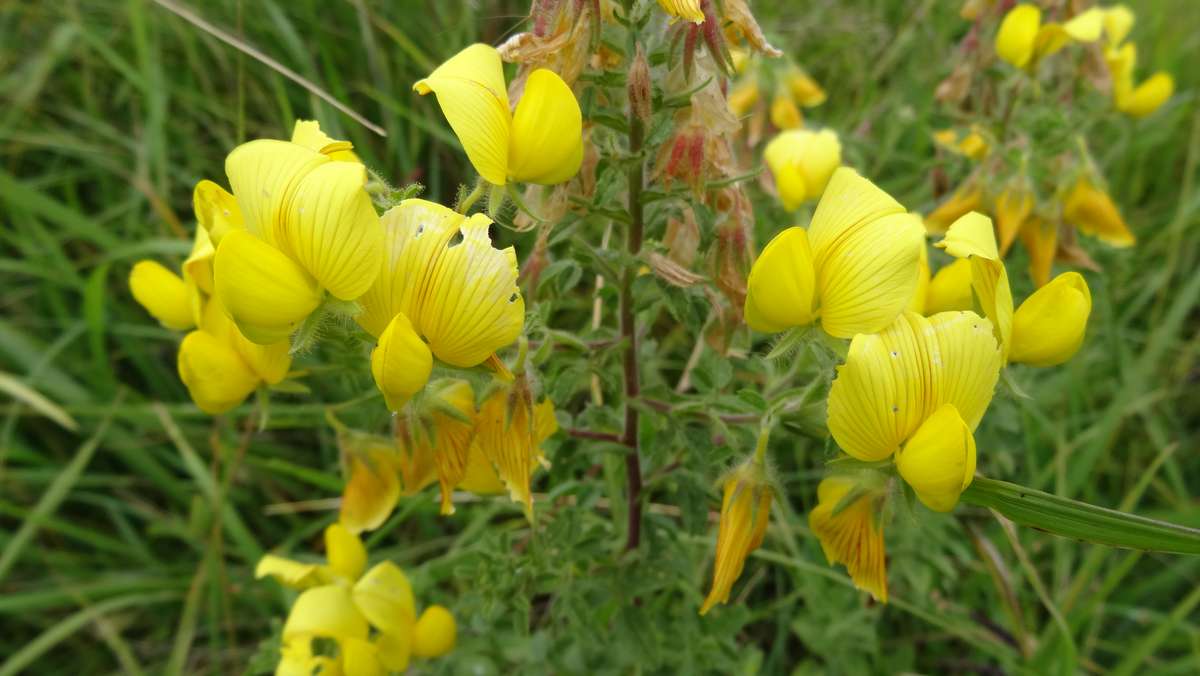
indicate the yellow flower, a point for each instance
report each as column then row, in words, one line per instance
column 163, row 293
column 1024, row 41
column 1049, row 326
column 453, row 416
column 972, row 144
column 852, row 534
column 540, row 142
column 804, row 89
column 1047, row 336
column 910, row 390
column 745, row 512
column 688, row 10
column 307, row 227
column 950, row 288
column 1118, row 21
column 373, row 488
column 1041, row 241
column 509, row 432
column 401, row 362
column 441, row 271
column 743, row 96
column 802, row 163
column 966, row 199
column 785, row 114
column 1094, row 213
column 856, row 267
column 1013, row 208
column 372, row 616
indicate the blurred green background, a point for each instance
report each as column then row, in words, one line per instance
column 129, row 529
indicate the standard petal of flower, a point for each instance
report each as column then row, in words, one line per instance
column 1094, row 213
column 385, row 597
column 1012, row 210
column 371, row 491
column 263, row 175
column 939, row 460
column 435, row 633
column 308, row 134
column 848, row 203
column 217, row 377
column 163, row 294
column 852, row 535
column 471, row 93
column 330, row 228
column 400, row 363
column 546, row 145
column 1018, row 31
column 867, row 278
column 972, row 237
column 471, row 305
column 802, row 162
column 327, row 612
column 1147, row 97
column 688, row 10
column 287, row 572
column 345, row 552
column 265, row 293
column 967, row 364
column 217, row 211
column 745, row 513
column 1049, row 326
column 1041, row 241
column 781, row 287
column 950, row 288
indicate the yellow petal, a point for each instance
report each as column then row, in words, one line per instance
column 373, row 488
column 803, row 162
column 688, row 10
column 784, row 113
column 1087, row 25
column 867, row 278
column 480, row 475
column 415, row 460
column 400, row 363
column 217, row 211
column 470, row 306
column 966, row 364
column 1018, row 31
column 973, row 237
column 848, row 202
column 745, row 512
column 269, row 362
column 471, row 93
column 742, row 97
column 950, row 288
column 546, row 145
column 385, row 597
column 345, row 552
column 506, row 438
column 964, row 200
column 216, row 376
column 198, row 266
column 1041, row 241
column 782, row 283
column 327, row 612
column 263, row 175
column 453, row 402
column 1051, row 37
column 1012, row 209
column 1118, row 21
column 1049, row 326
column 395, row 650
column 330, row 228
column 163, row 294
column 308, row 133
column 1148, row 97
column 288, row 572
column 939, row 460
column 1094, row 213
column 804, row 89
column 921, row 293
column 435, row 633
column 360, row 657
column 296, row 658
column 265, row 293
column 852, row 536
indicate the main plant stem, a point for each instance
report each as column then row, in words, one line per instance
column 633, row 464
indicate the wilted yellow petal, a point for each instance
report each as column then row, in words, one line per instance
column 867, row 278
column 217, row 211
column 345, row 552
column 265, row 293
column 849, row 202
column 373, row 488
column 1049, row 326
column 435, row 633
column 784, row 113
column 1018, row 31
column 385, row 597
column 471, row 93
column 1012, row 209
column 546, row 145
column 966, row 364
column 400, row 363
column 263, row 175
column 852, row 536
column 1041, row 241
column 802, row 163
column 505, row 435
column 216, row 376
column 688, row 10
column 939, row 460
column 964, row 200
column 950, row 288
column 327, row 612
column 163, row 294
column 745, row 513
column 782, row 283
column 330, row 228
column 288, row 572
column 1094, row 213
column 1148, row 97
column 360, row 657
column 453, row 403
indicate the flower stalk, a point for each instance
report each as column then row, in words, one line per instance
column 633, row 241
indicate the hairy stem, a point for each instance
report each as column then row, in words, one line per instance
column 633, row 465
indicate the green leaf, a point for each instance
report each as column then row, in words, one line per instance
column 1079, row 520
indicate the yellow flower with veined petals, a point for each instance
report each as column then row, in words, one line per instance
column 688, row 10
column 304, row 226
column 1023, row 40
column 1093, row 211
column 372, row 615
column 540, row 142
column 852, row 534
column 441, row 271
column 802, row 162
column 745, row 512
column 1045, row 337
column 917, row 390
column 855, row 268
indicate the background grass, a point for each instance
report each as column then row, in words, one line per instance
column 129, row 526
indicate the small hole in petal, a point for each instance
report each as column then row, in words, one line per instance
column 513, row 298
column 895, row 353
column 455, row 240
column 895, row 409
column 420, row 229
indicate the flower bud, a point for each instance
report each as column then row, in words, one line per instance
column 638, row 83
column 1049, row 326
column 745, row 512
